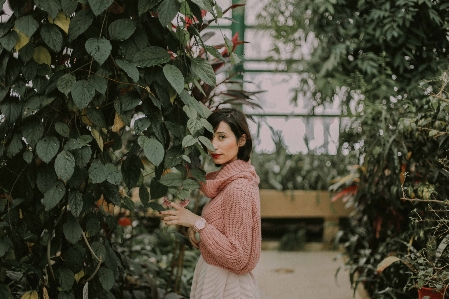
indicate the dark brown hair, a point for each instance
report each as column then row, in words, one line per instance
column 236, row 120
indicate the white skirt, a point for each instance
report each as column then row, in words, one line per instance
column 212, row 282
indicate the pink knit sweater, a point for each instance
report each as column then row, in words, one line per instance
column 232, row 236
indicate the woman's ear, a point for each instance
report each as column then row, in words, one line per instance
column 242, row 140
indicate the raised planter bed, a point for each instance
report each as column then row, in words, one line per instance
column 304, row 204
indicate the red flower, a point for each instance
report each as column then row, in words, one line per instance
column 124, row 221
column 184, row 203
column 166, row 203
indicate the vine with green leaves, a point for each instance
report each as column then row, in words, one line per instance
column 96, row 100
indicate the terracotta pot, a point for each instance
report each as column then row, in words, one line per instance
column 432, row 293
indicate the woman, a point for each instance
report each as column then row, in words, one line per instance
column 229, row 229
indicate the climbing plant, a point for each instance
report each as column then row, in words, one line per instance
column 95, row 101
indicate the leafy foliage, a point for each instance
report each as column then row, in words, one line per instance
column 284, row 171
column 95, row 99
column 373, row 56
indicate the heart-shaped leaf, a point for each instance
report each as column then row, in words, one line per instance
column 82, row 93
column 54, row 195
column 121, row 29
column 47, row 148
column 65, row 165
column 98, row 6
column 99, row 49
column 153, row 149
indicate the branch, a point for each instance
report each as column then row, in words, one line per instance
column 426, row 200
column 99, row 259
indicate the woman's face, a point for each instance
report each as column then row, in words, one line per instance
column 225, row 144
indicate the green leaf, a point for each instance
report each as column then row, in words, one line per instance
column 79, row 23
column 75, row 259
column 72, row 230
column 9, row 41
column 214, row 52
column 128, row 204
column 121, row 29
column 26, row 52
column 82, row 92
column 65, row 83
column 62, row 129
column 207, row 125
column 46, row 178
column 99, row 83
column 97, row 172
column 82, row 156
column 28, row 157
column 433, row 133
column 99, row 249
column 131, row 171
column 175, row 77
column 15, row 146
column 52, row 7
column 130, row 69
column 141, row 125
column 42, row 56
column 114, row 175
column 72, row 144
column 75, row 202
column 54, row 195
column 27, row 24
column 96, row 117
column 98, row 48
column 198, row 174
column 93, row 226
column 64, row 165
column 106, row 278
column 191, row 112
column 47, row 148
column 111, row 194
column 98, row 6
column 129, row 102
column 5, row 245
column 172, row 179
column 167, row 10
column 204, row 4
column 204, row 71
column 189, row 140
column 194, row 125
column 206, row 142
column 69, row 6
column 144, row 196
column 66, row 278
column 153, row 149
column 190, row 184
column 146, row 5
column 11, row 110
column 33, row 131
column 151, row 56
column 52, row 36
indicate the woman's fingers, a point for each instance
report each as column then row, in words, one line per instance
column 176, row 205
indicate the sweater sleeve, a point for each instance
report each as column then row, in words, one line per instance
column 232, row 248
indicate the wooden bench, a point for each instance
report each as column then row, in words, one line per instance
column 304, row 204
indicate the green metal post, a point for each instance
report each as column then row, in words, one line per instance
column 238, row 14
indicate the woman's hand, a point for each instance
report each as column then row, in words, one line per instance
column 179, row 216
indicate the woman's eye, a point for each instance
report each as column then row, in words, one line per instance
column 221, row 137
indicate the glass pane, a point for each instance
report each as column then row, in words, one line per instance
column 253, row 7
column 259, row 44
column 299, row 134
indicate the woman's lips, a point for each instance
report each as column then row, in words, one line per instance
column 215, row 156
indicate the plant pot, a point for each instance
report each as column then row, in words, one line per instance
column 431, row 293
